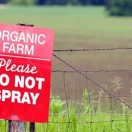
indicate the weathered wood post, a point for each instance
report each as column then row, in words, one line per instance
column 32, row 127
column 16, row 126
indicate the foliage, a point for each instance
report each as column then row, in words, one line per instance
column 84, row 2
column 3, row 1
column 119, row 7
column 21, row 2
column 98, row 2
column 55, row 2
column 41, row 2
column 56, row 105
column 78, row 116
column 77, row 2
column 73, row 2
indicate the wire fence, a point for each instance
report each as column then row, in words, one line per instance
column 85, row 109
column 105, row 111
column 93, row 49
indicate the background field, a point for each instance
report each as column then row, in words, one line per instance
column 84, row 28
column 80, row 28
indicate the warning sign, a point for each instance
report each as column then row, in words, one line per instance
column 25, row 72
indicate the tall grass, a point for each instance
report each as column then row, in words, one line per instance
column 102, row 114
column 95, row 114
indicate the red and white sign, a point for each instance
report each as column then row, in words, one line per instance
column 25, row 72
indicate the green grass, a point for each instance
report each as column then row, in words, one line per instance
column 83, row 117
column 78, row 28
column 87, row 25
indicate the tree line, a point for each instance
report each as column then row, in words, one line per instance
column 114, row 7
column 56, row 2
column 72, row 2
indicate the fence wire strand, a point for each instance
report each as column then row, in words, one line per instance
column 92, row 49
column 92, row 122
column 92, row 71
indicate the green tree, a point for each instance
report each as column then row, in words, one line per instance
column 41, row 2
column 3, row 1
column 98, row 2
column 119, row 7
column 74, row 2
column 21, row 2
column 92, row 2
column 84, row 2
column 61, row 2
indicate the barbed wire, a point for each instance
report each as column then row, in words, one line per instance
column 88, row 122
column 96, row 114
column 96, row 97
column 93, row 49
column 85, row 71
column 93, row 81
column 91, row 114
column 81, row 113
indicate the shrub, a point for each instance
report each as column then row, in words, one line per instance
column 98, row 2
column 21, row 2
column 55, row 2
column 119, row 7
column 3, row 1
column 73, row 2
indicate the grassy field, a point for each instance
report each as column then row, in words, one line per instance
column 84, row 116
column 80, row 28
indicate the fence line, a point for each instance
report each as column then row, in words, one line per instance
column 91, row 114
column 93, row 49
column 91, row 122
column 114, row 70
column 98, row 97
column 93, row 81
column 88, row 122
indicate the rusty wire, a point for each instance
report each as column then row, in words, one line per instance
column 93, row 49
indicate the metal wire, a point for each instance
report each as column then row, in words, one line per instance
column 93, row 81
column 96, row 97
column 87, row 122
column 110, row 95
column 93, row 49
column 92, row 71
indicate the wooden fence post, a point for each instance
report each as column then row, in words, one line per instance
column 16, row 126
column 32, row 127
